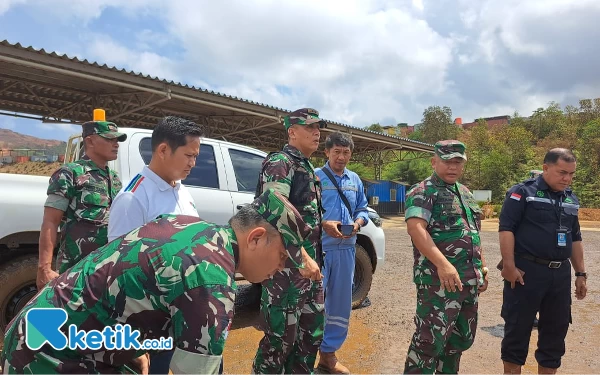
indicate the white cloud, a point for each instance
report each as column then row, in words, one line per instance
column 5, row 5
column 103, row 48
column 344, row 56
column 84, row 11
column 418, row 4
column 62, row 131
column 515, row 24
column 149, row 39
column 356, row 61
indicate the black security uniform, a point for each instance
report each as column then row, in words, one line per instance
column 545, row 225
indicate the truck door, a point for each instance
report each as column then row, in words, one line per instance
column 246, row 164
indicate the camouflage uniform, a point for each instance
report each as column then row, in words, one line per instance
column 84, row 191
column 292, row 307
column 445, row 321
column 174, row 276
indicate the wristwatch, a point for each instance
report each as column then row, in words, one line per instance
column 582, row 274
column 485, row 271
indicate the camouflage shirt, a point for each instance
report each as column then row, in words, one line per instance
column 454, row 219
column 173, row 277
column 85, row 192
column 296, row 180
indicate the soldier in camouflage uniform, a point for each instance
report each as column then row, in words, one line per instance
column 173, row 277
column 291, row 312
column 79, row 198
column 444, row 220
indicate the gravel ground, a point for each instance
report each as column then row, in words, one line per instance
column 380, row 333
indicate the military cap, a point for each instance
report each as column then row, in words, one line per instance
column 104, row 129
column 284, row 217
column 303, row 116
column 450, row 149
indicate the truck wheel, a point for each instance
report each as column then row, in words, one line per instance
column 17, row 278
column 363, row 276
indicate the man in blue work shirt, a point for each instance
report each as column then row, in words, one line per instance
column 345, row 206
column 540, row 239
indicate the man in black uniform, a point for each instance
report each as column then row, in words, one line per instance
column 539, row 234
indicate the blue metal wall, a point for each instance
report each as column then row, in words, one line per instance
column 382, row 190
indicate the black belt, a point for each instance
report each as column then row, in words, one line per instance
column 545, row 262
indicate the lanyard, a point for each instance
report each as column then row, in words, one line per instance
column 558, row 209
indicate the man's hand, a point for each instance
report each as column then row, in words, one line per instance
column 311, row 270
column 142, row 363
column 449, row 278
column 580, row 287
column 512, row 275
column 44, row 276
column 331, row 228
column 483, row 287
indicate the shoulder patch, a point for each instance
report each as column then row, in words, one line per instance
column 278, row 156
column 515, row 196
column 133, row 185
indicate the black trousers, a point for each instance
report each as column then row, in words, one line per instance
column 547, row 291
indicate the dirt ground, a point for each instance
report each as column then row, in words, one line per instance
column 380, row 333
column 35, row 168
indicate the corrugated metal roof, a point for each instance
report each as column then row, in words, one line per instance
column 419, row 146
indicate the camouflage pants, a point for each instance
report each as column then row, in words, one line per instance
column 292, row 318
column 445, row 327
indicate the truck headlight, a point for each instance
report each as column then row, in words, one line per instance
column 375, row 218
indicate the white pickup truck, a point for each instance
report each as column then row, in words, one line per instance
column 224, row 179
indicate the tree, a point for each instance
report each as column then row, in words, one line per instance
column 519, row 142
column 375, row 128
column 416, row 135
column 502, row 156
column 362, row 170
column 496, row 175
column 478, row 145
column 437, row 124
column 587, row 181
column 409, row 171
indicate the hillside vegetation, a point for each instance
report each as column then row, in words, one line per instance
column 501, row 156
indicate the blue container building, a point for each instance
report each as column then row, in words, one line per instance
column 385, row 196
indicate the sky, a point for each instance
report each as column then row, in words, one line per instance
column 357, row 62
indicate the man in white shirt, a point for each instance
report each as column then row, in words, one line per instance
column 158, row 190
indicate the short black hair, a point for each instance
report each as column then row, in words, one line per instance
column 556, row 154
column 247, row 218
column 174, row 131
column 339, row 139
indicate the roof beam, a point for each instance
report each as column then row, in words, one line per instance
column 127, row 85
column 69, row 88
column 147, row 105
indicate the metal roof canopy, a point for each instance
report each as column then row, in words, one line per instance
column 45, row 86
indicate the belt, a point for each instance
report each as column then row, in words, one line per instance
column 549, row 263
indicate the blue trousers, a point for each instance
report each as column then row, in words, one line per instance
column 338, row 275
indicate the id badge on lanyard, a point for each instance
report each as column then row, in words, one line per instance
column 561, row 237
column 561, row 232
